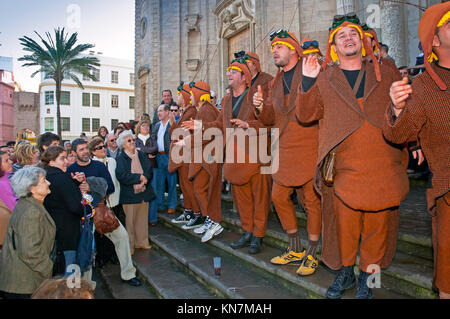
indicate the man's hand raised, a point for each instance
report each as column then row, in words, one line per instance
column 311, row 66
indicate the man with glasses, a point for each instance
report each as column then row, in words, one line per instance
column 297, row 148
column 362, row 178
column 111, row 145
column 175, row 110
column 166, row 98
column 161, row 133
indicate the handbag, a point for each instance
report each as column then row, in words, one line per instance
column 327, row 169
column 85, row 251
column 104, row 219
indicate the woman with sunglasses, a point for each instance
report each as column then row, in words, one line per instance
column 134, row 174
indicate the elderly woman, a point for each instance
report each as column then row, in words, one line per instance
column 26, row 154
column 64, row 203
column 8, row 199
column 30, row 237
column 134, row 173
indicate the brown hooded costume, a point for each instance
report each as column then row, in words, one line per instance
column 250, row 188
column 186, row 185
column 207, row 177
column 427, row 113
column 297, row 148
column 370, row 173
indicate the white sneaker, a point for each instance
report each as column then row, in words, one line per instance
column 204, row 227
column 213, row 230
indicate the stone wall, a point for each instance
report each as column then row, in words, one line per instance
column 26, row 112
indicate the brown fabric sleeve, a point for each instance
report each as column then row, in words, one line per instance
column 267, row 115
column 309, row 105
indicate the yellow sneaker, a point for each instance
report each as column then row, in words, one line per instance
column 288, row 257
column 308, row 266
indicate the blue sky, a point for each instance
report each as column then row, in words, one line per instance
column 108, row 24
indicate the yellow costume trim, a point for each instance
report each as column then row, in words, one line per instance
column 205, row 97
column 310, row 51
column 281, row 42
column 444, row 19
column 330, row 39
column 235, row 68
column 432, row 57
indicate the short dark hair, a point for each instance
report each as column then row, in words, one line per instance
column 402, row 67
column 385, row 47
column 166, row 90
column 76, row 142
column 11, row 143
column 166, row 107
column 46, row 139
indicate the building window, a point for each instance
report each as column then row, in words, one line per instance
column 65, row 124
column 95, row 125
column 132, row 79
column 114, row 77
column 96, row 74
column 65, row 98
column 49, row 97
column 114, row 101
column 86, row 125
column 95, row 99
column 86, row 99
column 131, row 100
column 114, row 123
column 49, row 124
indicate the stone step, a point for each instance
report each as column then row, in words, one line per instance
column 110, row 276
column 408, row 274
column 412, row 244
column 314, row 286
column 166, row 277
column 238, row 280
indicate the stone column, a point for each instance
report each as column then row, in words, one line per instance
column 345, row 6
column 392, row 31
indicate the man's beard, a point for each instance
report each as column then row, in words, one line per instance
column 82, row 159
column 351, row 53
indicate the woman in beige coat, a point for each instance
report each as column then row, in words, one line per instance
column 25, row 262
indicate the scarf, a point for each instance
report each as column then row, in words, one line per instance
column 136, row 168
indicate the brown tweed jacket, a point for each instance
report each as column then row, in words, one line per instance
column 297, row 144
column 427, row 113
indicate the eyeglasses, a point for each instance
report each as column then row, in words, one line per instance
column 130, row 140
column 239, row 54
column 113, row 140
column 339, row 19
column 100, row 147
column 173, row 110
column 309, row 44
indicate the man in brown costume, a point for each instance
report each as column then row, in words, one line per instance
column 370, row 177
column 423, row 108
column 250, row 188
column 205, row 173
column 297, row 152
column 188, row 112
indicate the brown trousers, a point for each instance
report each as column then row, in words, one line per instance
column 371, row 227
column 187, row 188
column 310, row 200
column 441, row 243
column 208, row 196
column 137, row 224
column 252, row 201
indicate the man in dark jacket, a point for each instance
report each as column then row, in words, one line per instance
column 160, row 132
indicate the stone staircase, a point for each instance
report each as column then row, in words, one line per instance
column 179, row 266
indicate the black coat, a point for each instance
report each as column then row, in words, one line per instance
column 64, row 205
column 150, row 147
column 128, row 179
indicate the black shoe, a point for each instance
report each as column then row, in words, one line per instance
column 255, row 246
column 363, row 292
column 133, row 282
column 194, row 222
column 344, row 280
column 114, row 260
column 244, row 241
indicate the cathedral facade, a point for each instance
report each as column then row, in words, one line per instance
column 191, row 40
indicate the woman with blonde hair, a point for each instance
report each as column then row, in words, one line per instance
column 26, row 154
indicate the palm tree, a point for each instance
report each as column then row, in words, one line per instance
column 60, row 59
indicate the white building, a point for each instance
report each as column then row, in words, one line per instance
column 101, row 103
